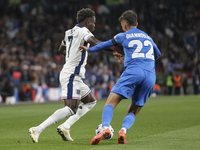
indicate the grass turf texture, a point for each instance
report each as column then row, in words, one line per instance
column 164, row 123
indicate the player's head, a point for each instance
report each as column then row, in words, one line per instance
column 86, row 18
column 128, row 19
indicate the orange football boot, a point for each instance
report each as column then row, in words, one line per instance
column 100, row 136
column 121, row 137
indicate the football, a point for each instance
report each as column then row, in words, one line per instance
column 99, row 128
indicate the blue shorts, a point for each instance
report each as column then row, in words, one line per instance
column 135, row 82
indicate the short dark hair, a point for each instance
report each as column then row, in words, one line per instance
column 130, row 17
column 83, row 14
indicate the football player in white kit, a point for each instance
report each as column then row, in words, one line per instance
column 73, row 88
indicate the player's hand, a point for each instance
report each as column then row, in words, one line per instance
column 83, row 48
column 119, row 57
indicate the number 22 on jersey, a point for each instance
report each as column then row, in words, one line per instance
column 137, row 53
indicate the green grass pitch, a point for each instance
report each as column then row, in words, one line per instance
column 164, row 123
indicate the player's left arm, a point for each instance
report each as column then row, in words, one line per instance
column 93, row 41
column 62, row 48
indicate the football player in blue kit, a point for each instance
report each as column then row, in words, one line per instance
column 138, row 78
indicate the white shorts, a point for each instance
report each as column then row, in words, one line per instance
column 73, row 87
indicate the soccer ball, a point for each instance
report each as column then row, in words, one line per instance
column 99, row 128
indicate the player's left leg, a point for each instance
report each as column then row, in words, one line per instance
column 112, row 101
column 62, row 131
column 88, row 102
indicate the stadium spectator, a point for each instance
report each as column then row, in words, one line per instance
column 7, row 89
column 170, row 83
column 177, row 83
column 156, row 89
column 185, row 84
column 196, row 79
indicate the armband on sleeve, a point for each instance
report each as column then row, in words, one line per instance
column 114, row 42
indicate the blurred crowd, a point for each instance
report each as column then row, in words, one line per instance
column 31, row 32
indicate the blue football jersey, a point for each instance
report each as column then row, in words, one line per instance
column 139, row 49
column 140, row 52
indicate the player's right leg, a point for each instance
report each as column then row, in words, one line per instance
column 128, row 122
column 58, row 115
column 139, row 98
column 122, row 137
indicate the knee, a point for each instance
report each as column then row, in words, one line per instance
column 72, row 104
column 74, row 110
column 91, row 104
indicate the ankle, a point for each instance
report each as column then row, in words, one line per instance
column 123, row 129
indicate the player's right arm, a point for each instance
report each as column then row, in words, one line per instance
column 157, row 52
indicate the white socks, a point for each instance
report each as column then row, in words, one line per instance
column 55, row 117
column 82, row 110
column 66, row 112
column 123, row 129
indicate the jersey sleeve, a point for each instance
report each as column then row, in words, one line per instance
column 157, row 52
column 85, row 33
column 118, row 39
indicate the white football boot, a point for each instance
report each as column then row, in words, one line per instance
column 64, row 133
column 34, row 134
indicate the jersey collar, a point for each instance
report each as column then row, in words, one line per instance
column 78, row 25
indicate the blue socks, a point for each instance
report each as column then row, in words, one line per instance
column 107, row 115
column 128, row 121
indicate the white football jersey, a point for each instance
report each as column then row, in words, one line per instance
column 75, row 59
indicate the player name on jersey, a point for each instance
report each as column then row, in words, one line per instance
column 141, row 35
